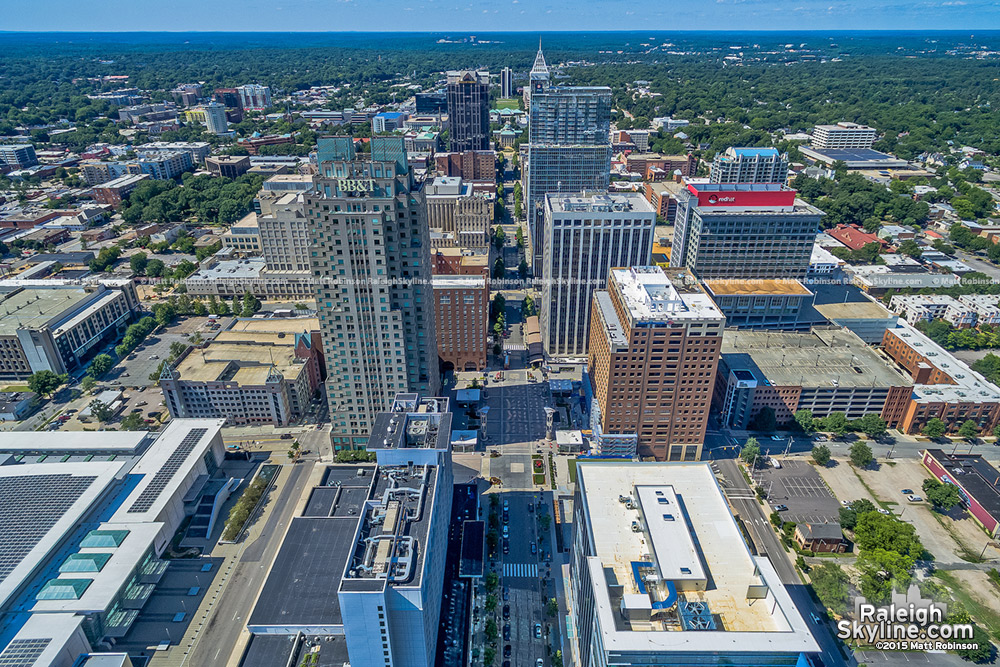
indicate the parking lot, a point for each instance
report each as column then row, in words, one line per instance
column 134, row 370
column 798, row 485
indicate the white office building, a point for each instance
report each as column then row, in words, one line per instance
column 843, row 135
column 390, row 595
column 661, row 575
column 587, row 235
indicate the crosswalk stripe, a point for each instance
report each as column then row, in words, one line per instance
column 520, row 570
column 514, row 347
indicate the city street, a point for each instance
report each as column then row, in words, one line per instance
column 743, row 502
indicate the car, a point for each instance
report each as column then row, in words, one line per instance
column 506, row 663
column 882, row 510
column 539, row 663
column 506, row 593
column 506, row 650
column 780, row 508
column 531, row 507
column 538, row 630
column 506, row 632
column 506, row 504
column 907, row 492
column 534, row 549
column 777, row 438
column 286, row 436
column 154, row 356
column 845, row 503
column 141, row 403
column 914, row 499
column 506, row 612
column 506, row 530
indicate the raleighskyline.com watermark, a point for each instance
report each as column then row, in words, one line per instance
column 907, row 624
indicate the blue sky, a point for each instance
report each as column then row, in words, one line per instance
column 487, row 15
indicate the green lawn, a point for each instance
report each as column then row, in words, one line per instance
column 572, row 470
column 538, row 479
column 510, row 103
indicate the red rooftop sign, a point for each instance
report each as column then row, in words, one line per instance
column 784, row 197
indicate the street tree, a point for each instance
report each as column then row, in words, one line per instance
column 861, row 455
column 872, row 425
column 968, row 430
column 101, row 411
column 101, row 364
column 821, row 454
column 44, row 383
column 836, row 423
column 751, row 451
column 934, row 428
column 804, row 418
column 941, row 496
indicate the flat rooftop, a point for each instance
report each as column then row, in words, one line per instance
column 414, row 422
column 862, row 310
column 820, row 358
column 392, row 542
column 969, row 386
column 36, row 307
column 651, row 294
column 75, row 442
column 665, row 568
column 243, row 357
column 53, row 498
column 301, row 587
column 598, row 203
column 763, row 287
column 975, row 475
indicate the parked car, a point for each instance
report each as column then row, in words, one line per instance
column 286, row 436
column 534, row 549
column 882, row 510
column 776, row 437
column 780, row 508
column 845, row 503
column 506, row 612
column 506, row 632
column 538, row 630
column 914, row 499
column 907, row 492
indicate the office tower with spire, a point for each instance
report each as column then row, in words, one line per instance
column 569, row 145
column 469, row 110
column 370, row 256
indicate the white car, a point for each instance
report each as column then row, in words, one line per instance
column 915, row 499
column 882, row 510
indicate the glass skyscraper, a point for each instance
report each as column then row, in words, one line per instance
column 569, row 147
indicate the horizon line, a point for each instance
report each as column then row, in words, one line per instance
column 500, row 32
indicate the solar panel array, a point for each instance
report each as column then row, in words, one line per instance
column 23, row 652
column 163, row 476
column 29, row 507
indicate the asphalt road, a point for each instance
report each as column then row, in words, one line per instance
column 745, row 504
column 519, row 577
column 219, row 637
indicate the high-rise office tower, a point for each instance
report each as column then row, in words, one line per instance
column 750, row 165
column 506, row 83
column 586, row 236
column 215, row 118
column 390, row 595
column 469, row 110
column 843, row 135
column 371, row 255
column 569, row 145
column 655, row 337
column 740, row 231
